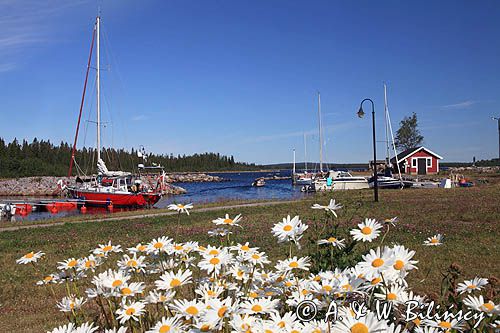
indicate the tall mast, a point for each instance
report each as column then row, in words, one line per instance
column 320, row 135
column 389, row 130
column 293, row 170
column 305, row 153
column 386, row 115
column 98, row 84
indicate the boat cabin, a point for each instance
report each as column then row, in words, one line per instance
column 418, row 161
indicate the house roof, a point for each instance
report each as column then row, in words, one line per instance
column 408, row 152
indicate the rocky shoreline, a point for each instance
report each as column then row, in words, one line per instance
column 47, row 185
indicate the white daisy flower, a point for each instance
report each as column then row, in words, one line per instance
column 181, row 208
column 51, row 278
column 365, row 324
column 106, row 249
column 435, row 240
column 86, row 328
column 219, row 232
column 293, row 263
column 187, row 309
column 260, row 306
column 376, row 262
column 70, row 304
column 131, row 289
column 367, row 232
column 391, row 221
column 448, row 325
column 30, row 257
column 139, row 248
column 331, row 207
column 130, row 311
column 333, row 241
column 402, row 259
column 479, row 304
column 170, row 280
column 256, row 258
column 471, row 285
column 67, row 264
column 393, row 294
column 68, row 328
column 228, row 221
column 161, row 244
column 171, row 325
column 209, row 291
column 214, row 263
column 89, row 263
column 132, row 264
column 120, row 329
column 289, row 229
column 115, row 280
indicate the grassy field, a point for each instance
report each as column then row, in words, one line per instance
column 468, row 217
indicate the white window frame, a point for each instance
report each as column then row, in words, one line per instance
column 429, row 162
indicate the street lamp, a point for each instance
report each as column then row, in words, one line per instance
column 361, row 114
column 498, row 120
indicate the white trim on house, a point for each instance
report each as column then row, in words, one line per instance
column 416, row 151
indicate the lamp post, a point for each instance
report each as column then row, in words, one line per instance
column 361, row 113
column 498, row 120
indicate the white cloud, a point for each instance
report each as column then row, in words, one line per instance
column 462, row 105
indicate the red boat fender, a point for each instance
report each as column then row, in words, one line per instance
column 110, row 206
column 83, row 209
column 22, row 211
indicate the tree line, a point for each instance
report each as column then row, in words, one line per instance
column 43, row 158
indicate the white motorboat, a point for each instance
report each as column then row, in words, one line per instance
column 259, row 182
column 340, row 180
column 7, row 209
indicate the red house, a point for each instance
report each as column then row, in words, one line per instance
column 418, row 161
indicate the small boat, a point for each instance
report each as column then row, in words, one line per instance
column 259, row 182
column 389, row 182
column 340, row 180
column 7, row 209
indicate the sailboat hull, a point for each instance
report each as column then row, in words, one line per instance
column 95, row 198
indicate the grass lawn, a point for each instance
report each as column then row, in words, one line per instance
column 468, row 217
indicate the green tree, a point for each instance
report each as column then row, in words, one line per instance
column 408, row 136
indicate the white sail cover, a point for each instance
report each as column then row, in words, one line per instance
column 103, row 170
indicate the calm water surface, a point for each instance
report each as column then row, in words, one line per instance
column 237, row 186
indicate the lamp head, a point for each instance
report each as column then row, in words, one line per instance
column 361, row 113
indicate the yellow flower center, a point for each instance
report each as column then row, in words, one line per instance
column 305, row 291
column 287, row 227
column 398, row 265
column 158, row 245
column 253, row 294
column 445, row 324
column 472, row 286
column 488, row 306
column 29, row 255
column 392, row 296
column 192, row 310
column 89, row 263
column 416, row 322
column 293, row 264
column 434, row 240
column 213, row 252
column 48, row 278
column 141, row 248
column 180, row 206
column 131, row 263
column 347, row 287
column 222, row 311
column 178, row 247
column 71, row 305
column 377, row 262
column 359, row 328
column 327, row 288
column 107, row 248
column 205, row 328
column 72, row 263
column 281, row 324
column 332, row 239
column 256, row 308
column 255, row 256
column 294, row 331
column 117, row 283
column 366, row 230
column 126, row 291
column 245, row 248
column 376, row 281
column 130, row 311
column 228, row 221
column 214, row 261
column 164, row 329
column 175, row 283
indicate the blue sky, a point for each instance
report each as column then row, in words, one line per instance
column 240, row 77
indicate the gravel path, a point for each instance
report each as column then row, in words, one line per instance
column 140, row 216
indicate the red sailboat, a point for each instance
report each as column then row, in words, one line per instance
column 116, row 188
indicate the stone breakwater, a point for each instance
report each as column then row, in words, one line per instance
column 47, row 185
